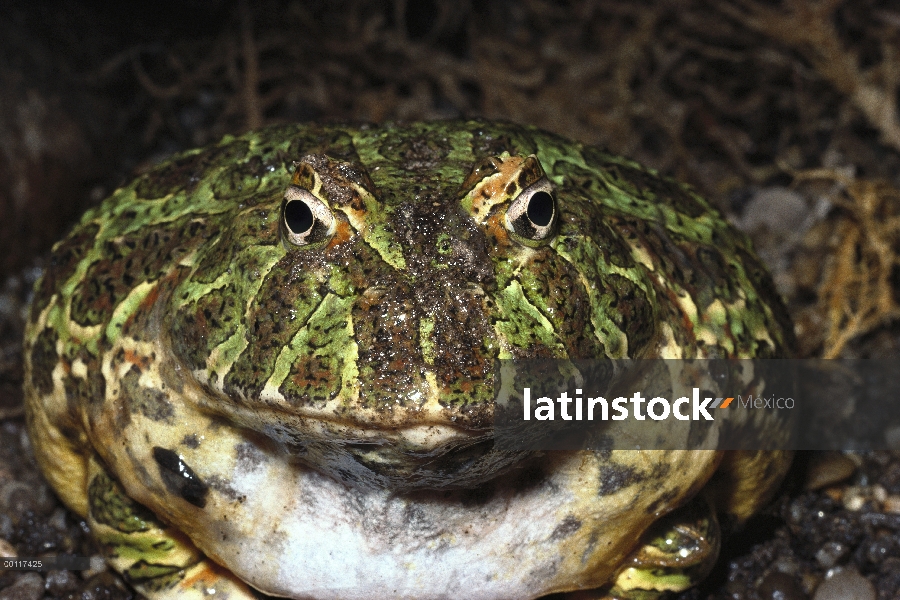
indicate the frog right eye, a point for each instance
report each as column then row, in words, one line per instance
column 305, row 219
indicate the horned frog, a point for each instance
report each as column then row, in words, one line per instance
column 267, row 365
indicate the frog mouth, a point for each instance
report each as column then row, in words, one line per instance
column 420, row 443
column 416, row 457
column 388, row 466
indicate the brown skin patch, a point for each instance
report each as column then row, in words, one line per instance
column 497, row 185
column 153, row 404
column 497, row 232
column 91, row 391
column 43, row 352
column 343, row 233
column 129, row 261
column 390, row 358
column 204, row 325
column 62, row 265
column 480, row 171
column 312, row 380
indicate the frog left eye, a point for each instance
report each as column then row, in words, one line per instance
column 533, row 214
column 305, row 219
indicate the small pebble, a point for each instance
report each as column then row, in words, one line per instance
column 780, row 586
column 778, row 209
column 787, row 565
column 892, row 437
column 61, row 582
column 28, row 586
column 844, row 584
column 828, row 469
column 855, row 497
column 830, row 553
column 854, row 502
column 892, row 504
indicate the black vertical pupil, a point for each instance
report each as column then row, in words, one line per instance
column 297, row 216
column 540, row 209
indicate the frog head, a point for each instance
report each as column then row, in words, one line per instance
column 357, row 315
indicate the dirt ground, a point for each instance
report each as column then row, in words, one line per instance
column 783, row 113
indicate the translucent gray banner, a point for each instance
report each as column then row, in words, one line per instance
column 663, row 404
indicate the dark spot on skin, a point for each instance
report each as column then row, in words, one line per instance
column 224, row 487
column 547, row 571
column 151, row 403
column 248, row 456
column 614, row 477
column 65, row 259
column 85, row 392
column 179, row 478
column 567, row 527
column 511, row 188
column 522, row 180
column 191, row 441
column 589, row 549
column 171, row 377
column 420, row 523
column 665, row 500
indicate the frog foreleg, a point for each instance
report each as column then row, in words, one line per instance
column 677, row 551
column 159, row 561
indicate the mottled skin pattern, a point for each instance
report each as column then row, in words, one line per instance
column 189, row 350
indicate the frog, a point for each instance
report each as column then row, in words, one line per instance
column 269, row 366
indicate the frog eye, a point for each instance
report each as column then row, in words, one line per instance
column 305, row 219
column 533, row 214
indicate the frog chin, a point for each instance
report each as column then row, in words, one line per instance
column 287, row 529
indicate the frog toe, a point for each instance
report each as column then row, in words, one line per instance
column 678, row 551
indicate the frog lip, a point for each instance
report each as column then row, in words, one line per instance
column 414, row 456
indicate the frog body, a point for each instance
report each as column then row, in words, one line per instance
column 272, row 361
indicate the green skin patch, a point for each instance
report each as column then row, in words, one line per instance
column 353, row 322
